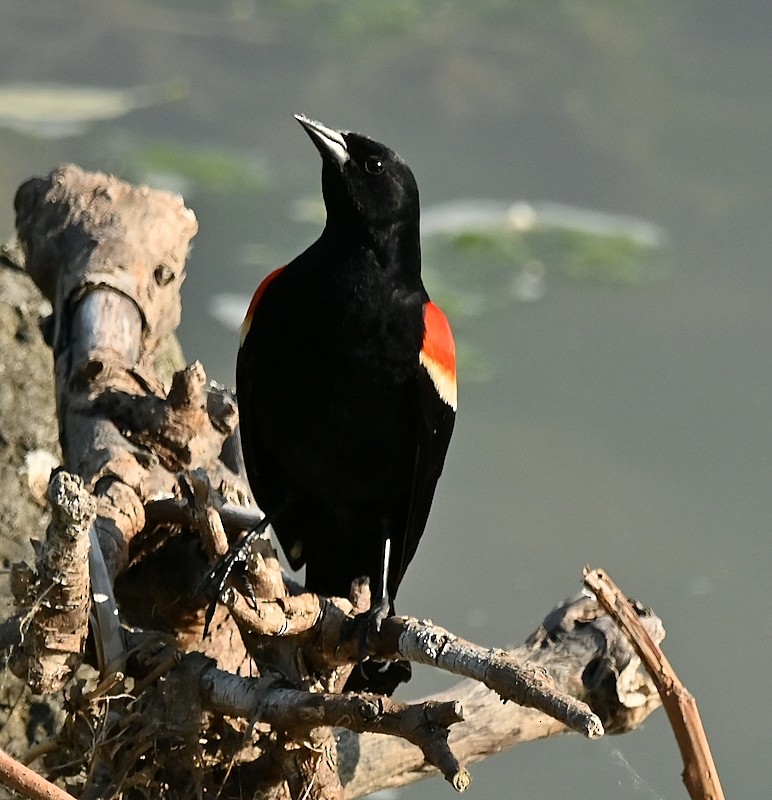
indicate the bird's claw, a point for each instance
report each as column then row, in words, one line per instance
column 375, row 674
column 215, row 580
column 378, row 613
column 369, row 623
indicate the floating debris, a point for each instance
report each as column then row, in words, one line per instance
column 470, row 215
column 54, row 111
column 513, row 246
column 184, row 168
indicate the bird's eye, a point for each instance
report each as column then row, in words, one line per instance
column 374, row 165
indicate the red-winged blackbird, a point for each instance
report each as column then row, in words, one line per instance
column 346, row 384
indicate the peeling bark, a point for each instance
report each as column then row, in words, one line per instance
column 57, row 594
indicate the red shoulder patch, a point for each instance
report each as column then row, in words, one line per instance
column 438, row 353
column 255, row 300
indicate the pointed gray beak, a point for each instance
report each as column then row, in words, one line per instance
column 329, row 142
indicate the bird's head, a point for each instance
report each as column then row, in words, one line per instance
column 362, row 180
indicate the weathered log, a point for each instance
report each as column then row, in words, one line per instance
column 110, row 259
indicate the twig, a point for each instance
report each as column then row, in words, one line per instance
column 421, row 642
column 525, row 684
column 283, row 616
column 235, row 518
column 425, row 724
column 572, row 638
column 700, row 775
column 42, row 749
column 27, row 782
column 166, row 663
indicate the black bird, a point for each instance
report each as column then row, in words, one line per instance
column 346, row 385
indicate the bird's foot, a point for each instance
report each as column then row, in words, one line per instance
column 374, row 674
column 235, row 560
column 378, row 612
column 369, row 624
column 366, row 625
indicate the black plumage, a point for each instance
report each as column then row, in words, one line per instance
column 346, row 382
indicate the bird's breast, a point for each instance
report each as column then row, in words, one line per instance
column 337, row 377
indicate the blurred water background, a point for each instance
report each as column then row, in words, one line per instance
column 595, row 179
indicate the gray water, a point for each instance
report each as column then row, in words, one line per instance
column 621, row 424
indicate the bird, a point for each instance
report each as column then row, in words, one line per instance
column 346, row 386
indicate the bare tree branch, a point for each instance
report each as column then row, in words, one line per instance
column 27, row 782
column 700, row 773
column 423, row 724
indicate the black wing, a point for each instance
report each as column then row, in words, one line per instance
column 435, row 417
column 267, row 484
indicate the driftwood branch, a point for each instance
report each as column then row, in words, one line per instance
column 255, row 709
column 425, row 724
column 27, row 782
column 57, row 595
column 326, row 619
column 588, row 657
column 110, row 259
column 324, row 623
column 700, row 774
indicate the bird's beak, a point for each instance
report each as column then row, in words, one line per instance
column 330, row 143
